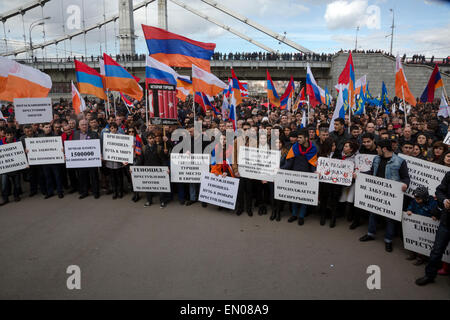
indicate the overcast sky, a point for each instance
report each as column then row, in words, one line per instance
column 422, row 26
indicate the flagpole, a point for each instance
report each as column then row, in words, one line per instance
column 108, row 111
column 193, row 103
column 349, row 113
column 114, row 99
column 146, row 107
column 404, row 107
column 308, row 108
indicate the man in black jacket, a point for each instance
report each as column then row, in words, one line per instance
column 87, row 176
column 152, row 155
column 442, row 238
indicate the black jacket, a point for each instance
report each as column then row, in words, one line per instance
column 442, row 193
column 151, row 156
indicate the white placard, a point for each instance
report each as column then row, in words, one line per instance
column 335, row 171
column 379, row 195
column 12, row 157
column 363, row 162
column 258, row 164
column 118, row 147
column 424, row 173
column 150, row 179
column 83, row 153
column 188, row 168
column 419, row 233
column 296, row 186
column 44, row 150
column 219, row 191
column 447, row 138
column 33, row 110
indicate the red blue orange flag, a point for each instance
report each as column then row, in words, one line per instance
column 117, row 78
column 272, row 94
column 236, row 88
column 177, row 51
column 434, row 83
column 288, row 93
column 89, row 80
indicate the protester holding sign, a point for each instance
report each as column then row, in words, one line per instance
column 71, row 172
column 244, row 199
column 152, row 155
column 328, row 193
column 35, row 172
column 277, row 204
column 52, row 171
column 389, row 166
column 442, row 238
column 423, row 204
column 115, row 170
column 301, row 157
column 349, row 153
column 87, row 176
column 13, row 176
column 223, row 158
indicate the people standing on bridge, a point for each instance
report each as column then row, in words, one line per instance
column 389, row 166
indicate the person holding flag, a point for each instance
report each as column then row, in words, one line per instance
column 301, row 157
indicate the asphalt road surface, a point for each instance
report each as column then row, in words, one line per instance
column 126, row 251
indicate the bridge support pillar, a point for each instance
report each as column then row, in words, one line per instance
column 162, row 14
column 126, row 27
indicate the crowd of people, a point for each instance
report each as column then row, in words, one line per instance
column 378, row 131
column 267, row 56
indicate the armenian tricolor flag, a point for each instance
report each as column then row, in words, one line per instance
column 272, row 94
column 310, row 153
column 89, row 80
column 117, row 78
column 177, row 51
column 434, row 83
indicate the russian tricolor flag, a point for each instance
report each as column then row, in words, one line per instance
column 177, row 51
column 158, row 72
column 312, row 89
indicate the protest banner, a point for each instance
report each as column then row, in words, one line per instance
column 118, row 147
column 150, row 179
column 419, row 233
column 379, row 195
column 33, row 110
column 44, row 150
column 219, row 191
column 12, row 157
column 363, row 162
column 424, row 173
column 335, row 171
column 83, row 153
column 296, row 186
column 188, row 168
column 258, row 164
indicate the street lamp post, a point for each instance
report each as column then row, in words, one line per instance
column 39, row 22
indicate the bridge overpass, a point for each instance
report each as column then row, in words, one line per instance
column 378, row 67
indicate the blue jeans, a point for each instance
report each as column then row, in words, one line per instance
column 390, row 226
column 6, row 184
column 298, row 210
column 193, row 187
column 440, row 245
